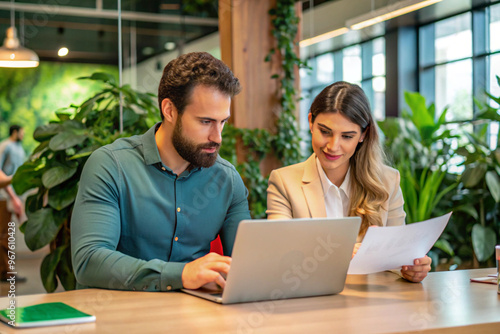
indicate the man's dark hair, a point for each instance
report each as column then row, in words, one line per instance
column 14, row 127
column 184, row 73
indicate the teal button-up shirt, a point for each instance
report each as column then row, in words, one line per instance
column 136, row 224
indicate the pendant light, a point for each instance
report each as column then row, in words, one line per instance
column 12, row 54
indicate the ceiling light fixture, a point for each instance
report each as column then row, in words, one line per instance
column 12, row 54
column 148, row 51
column 169, row 46
column 323, row 37
column 388, row 12
column 63, row 52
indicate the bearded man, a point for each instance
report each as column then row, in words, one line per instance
column 149, row 206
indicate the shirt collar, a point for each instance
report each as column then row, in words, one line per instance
column 151, row 153
column 326, row 183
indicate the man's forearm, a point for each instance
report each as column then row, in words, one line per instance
column 10, row 192
column 4, row 180
column 110, row 269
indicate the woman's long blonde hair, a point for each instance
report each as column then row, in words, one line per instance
column 368, row 193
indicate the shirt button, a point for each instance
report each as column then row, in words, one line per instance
column 176, row 239
column 163, row 168
column 178, row 209
column 169, row 288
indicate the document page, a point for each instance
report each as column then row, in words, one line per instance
column 386, row 248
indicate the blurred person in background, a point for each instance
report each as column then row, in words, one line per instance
column 12, row 156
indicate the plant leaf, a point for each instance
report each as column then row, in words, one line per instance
column 497, row 155
column 66, row 139
column 73, row 125
column 34, row 202
column 57, row 175
column 421, row 116
column 65, row 270
column 86, row 107
column 469, row 209
column 472, row 175
column 437, row 198
column 410, row 194
column 22, row 228
column 483, row 241
column 445, row 246
column 44, row 145
column 64, row 116
column 41, row 228
column 442, row 118
column 44, row 132
column 27, row 176
column 84, row 152
column 493, row 183
column 435, row 259
column 129, row 117
column 101, row 76
column 61, row 197
column 490, row 114
column 48, row 269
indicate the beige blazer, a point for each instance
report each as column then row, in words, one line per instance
column 296, row 192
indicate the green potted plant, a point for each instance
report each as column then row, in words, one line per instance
column 478, row 194
column 53, row 170
column 419, row 145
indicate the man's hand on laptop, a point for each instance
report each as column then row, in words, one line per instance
column 206, row 269
column 418, row 271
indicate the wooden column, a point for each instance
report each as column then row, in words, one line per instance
column 246, row 39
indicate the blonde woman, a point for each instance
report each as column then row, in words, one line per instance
column 346, row 174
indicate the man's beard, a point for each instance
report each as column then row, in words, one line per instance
column 191, row 152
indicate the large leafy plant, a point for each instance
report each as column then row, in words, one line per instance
column 53, row 171
column 478, row 195
column 419, row 145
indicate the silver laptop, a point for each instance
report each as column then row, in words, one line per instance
column 279, row 259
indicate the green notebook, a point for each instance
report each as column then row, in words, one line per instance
column 47, row 314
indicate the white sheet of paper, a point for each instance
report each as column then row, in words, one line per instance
column 386, row 248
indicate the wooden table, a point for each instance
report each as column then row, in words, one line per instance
column 446, row 302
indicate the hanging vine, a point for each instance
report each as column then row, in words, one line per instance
column 285, row 26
